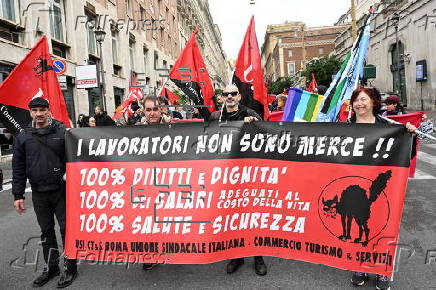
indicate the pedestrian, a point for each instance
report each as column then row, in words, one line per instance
column 233, row 111
column 39, row 156
column 92, row 122
column 80, row 122
column 366, row 103
column 281, row 102
column 393, row 106
column 153, row 113
column 102, row 118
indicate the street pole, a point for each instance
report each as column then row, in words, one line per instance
column 103, row 87
column 397, row 45
column 353, row 21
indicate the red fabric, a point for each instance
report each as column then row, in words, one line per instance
column 172, row 97
column 248, row 67
column 313, row 84
column 415, row 119
column 275, row 116
column 190, row 66
column 135, row 95
column 189, row 121
column 344, row 112
column 271, row 99
column 35, row 77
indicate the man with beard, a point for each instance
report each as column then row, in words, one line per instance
column 232, row 110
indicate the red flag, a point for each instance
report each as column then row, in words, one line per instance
column 189, row 73
column 248, row 75
column 33, row 77
column 169, row 95
column 312, row 85
column 415, row 119
column 135, row 95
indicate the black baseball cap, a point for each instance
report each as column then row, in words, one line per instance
column 38, row 102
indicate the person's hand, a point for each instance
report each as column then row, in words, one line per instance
column 411, row 128
column 424, row 117
column 250, row 119
column 19, row 206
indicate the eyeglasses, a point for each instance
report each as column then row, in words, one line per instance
column 155, row 109
column 225, row 94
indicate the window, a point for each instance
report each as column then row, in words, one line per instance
column 115, row 59
column 145, row 51
column 129, row 10
column 132, row 54
column 290, row 53
column 142, row 12
column 57, row 19
column 159, row 6
column 156, row 60
column 118, row 96
column 154, row 28
column 8, row 10
column 291, row 67
column 321, row 50
column 92, row 44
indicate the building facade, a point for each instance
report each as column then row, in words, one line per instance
column 399, row 70
column 196, row 13
column 142, row 42
column 290, row 46
column 344, row 41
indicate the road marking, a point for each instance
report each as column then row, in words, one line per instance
column 9, row 186
column 422, row 175
column 425, row 157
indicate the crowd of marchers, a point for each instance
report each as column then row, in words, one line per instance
column 39, row 156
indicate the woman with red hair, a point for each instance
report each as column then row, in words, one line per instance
column 366, row 103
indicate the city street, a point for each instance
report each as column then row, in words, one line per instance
column 416, row 262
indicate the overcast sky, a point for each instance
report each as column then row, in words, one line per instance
column 233, row 16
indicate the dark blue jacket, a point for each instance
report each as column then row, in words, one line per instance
column 39, row 155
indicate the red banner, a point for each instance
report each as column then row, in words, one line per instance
column 415, row 119
column 197, row 198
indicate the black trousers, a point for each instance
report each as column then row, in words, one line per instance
column 47, row 205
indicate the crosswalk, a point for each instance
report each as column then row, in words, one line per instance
column 426, row 166
column 7, row 185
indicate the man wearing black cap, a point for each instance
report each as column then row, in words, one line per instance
column 39, row 155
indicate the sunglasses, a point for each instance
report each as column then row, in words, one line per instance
column 234, row 94
column 155, row 109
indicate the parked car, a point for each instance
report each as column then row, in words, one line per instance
column 6, row 138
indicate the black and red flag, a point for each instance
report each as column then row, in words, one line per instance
column 189, row 73
column 33, row 77
column 248, row 75
column 167, row 93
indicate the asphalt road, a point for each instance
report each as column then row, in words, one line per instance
column 415, row 269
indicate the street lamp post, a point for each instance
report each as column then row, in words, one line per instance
column 99, row 37
column 396, row 19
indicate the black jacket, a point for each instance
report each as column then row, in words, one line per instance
column 238, row 115
column 39, row 155
column 103, row 120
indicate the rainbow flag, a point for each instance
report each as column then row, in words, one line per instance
column 302, row 106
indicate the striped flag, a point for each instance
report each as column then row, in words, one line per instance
column 347, row 79
column 302, row 106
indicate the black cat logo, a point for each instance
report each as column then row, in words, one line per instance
column 354, row 204
column 42, row 66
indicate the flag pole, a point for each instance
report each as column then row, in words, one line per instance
column 417, row 131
